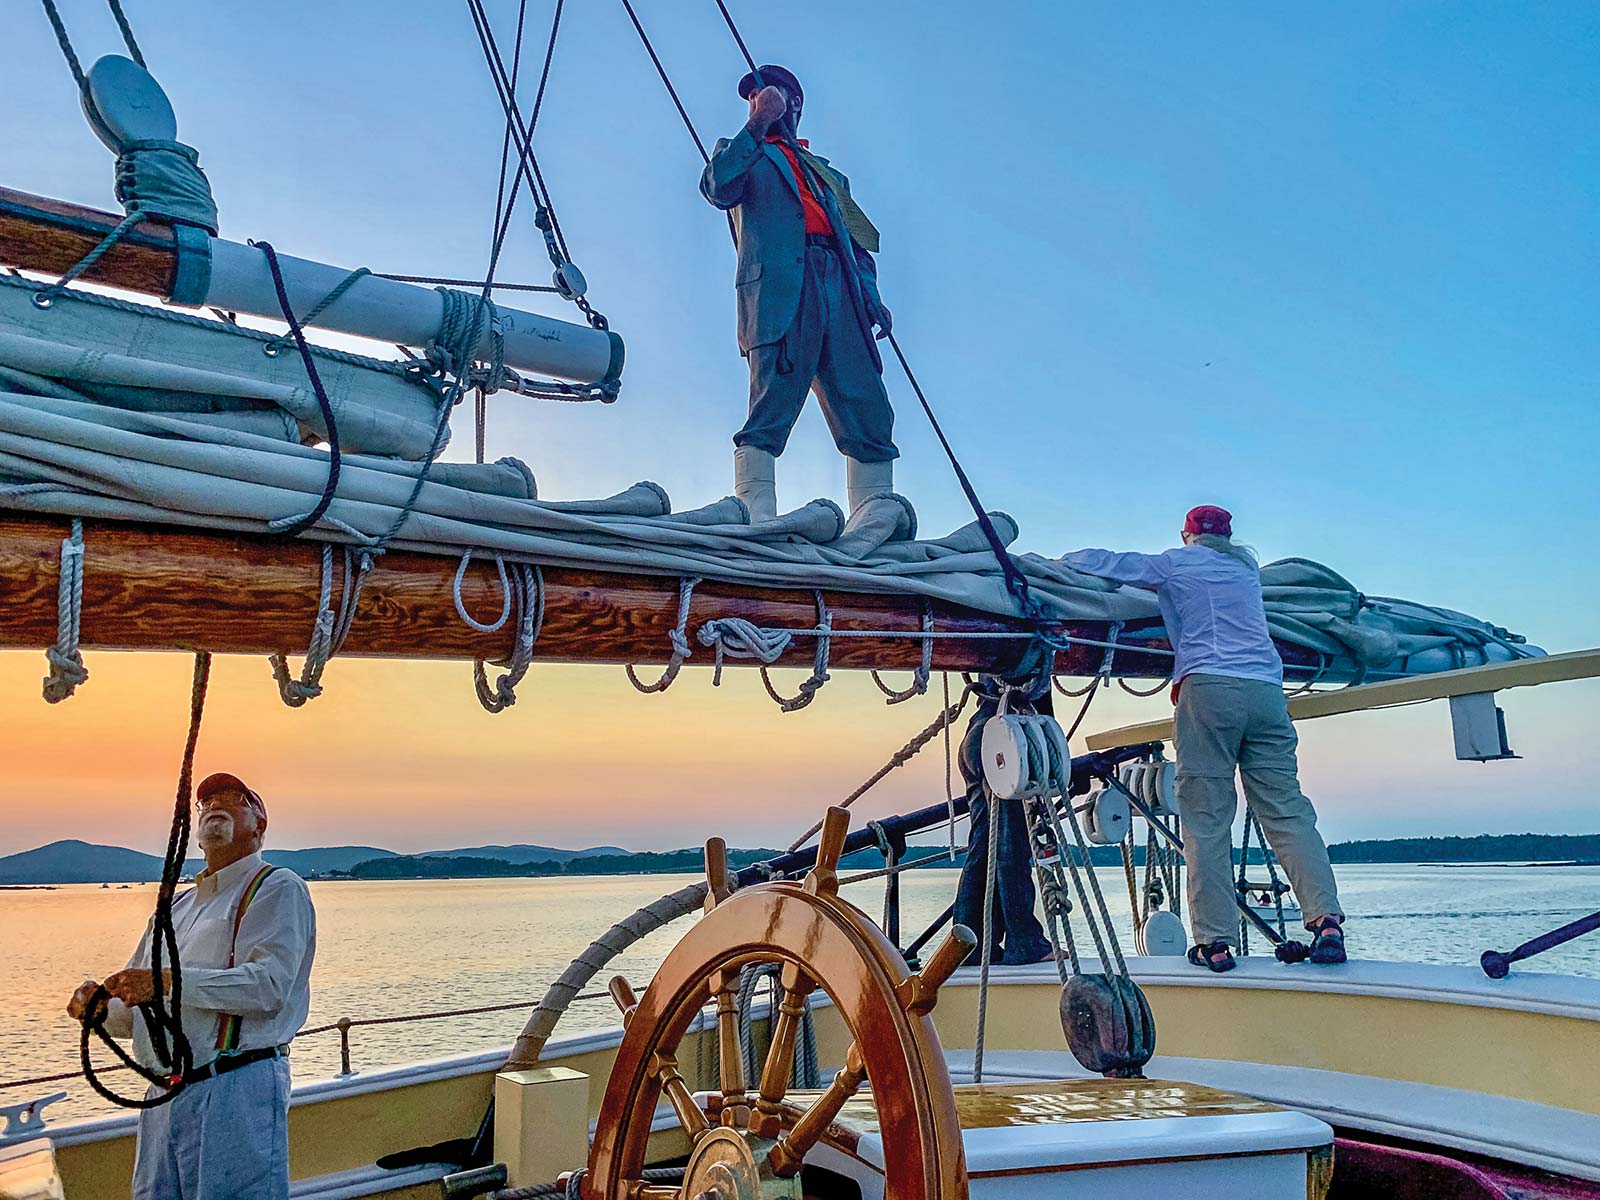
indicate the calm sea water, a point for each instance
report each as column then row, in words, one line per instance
column 393, row 948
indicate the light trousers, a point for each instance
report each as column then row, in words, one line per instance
column 1226, row 724
column 224, row 1138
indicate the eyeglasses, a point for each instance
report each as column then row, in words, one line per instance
column 222, row 800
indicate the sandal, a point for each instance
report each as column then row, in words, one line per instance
column 1329, row 945
column 1213, row 956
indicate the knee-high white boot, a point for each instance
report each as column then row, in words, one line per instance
column 755, row 482
column 864, row 480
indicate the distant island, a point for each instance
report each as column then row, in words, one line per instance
column 75, row 861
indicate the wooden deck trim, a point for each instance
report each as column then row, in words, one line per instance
column 1494, row 677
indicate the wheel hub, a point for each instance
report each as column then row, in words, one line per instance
column 731, row 1164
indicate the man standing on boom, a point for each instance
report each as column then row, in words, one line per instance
column 807, row 291
column 1227, row 683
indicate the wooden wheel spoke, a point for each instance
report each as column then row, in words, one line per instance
column 664, row 1067
column 730, row 1056
column 919, row 993
column 779, row 1065
column 790, row 1152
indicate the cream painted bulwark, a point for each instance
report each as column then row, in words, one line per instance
column 1531, row 1037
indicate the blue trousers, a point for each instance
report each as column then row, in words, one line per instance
column 224, row 1138
column 1017, row 935
column 826, row 351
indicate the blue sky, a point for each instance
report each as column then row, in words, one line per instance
column 1334, row 268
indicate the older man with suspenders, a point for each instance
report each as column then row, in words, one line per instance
column 246, row 936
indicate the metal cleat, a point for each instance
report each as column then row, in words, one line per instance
column 27, row 1119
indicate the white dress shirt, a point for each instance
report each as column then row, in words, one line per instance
column 1210, row 602
column 268, row 987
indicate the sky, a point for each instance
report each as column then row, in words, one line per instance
column 1334, row 269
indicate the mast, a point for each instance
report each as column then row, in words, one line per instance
column 152, row 587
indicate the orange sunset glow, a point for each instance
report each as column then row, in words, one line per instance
column 400, row 756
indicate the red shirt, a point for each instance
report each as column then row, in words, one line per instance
column 816, row 215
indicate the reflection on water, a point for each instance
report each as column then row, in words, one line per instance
column 390, row 948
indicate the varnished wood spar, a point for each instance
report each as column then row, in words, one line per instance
column 149, row 587
column 39, row 234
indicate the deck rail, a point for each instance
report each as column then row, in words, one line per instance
column 343, row 1025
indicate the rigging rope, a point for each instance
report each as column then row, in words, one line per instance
column 328, row 631
column 71, row 55
column 163, row 1019
column 66, row 660
column 528, row 164
column 987, row 950
column 299, row 524
column 899, row 759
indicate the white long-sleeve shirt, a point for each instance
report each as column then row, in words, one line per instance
column 1210, row 602
column 269, row 985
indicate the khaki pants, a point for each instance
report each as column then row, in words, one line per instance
column 1225, row 723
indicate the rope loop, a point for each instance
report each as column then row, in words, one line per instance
column 529, row 593
column 919, row 678
column 328, row 630
column 505, row 592
column 66, row 661
column 678, row 636
column 819, row 669
column 1106, row 661
column 1161, row 686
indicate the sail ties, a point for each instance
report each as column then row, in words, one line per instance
column 328, row 631
column 527, row 593
column 919, row 677
column 678, row 635
column 66, row 662
column 735, row 637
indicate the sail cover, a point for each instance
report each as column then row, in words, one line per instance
column 126, row 412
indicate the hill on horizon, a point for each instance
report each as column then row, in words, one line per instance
column 73, row 860
column 522, row 853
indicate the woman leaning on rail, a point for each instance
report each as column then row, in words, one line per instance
column 1227, row 684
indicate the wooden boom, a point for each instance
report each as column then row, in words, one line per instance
column 39, row 234
column 152, row 587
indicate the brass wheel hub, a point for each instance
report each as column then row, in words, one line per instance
column 731, row 1164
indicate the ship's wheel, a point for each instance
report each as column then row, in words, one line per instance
column 752, row 1144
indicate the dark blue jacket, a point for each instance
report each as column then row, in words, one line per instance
column 752, row 179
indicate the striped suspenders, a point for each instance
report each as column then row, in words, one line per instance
column 228, row 1023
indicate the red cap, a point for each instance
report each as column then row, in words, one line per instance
column 1208, row 518
column 221, row 781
